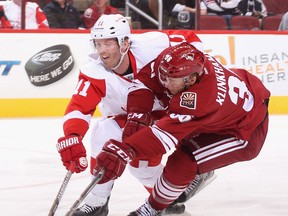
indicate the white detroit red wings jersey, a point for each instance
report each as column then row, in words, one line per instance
column 224, row 101
column 35, row 17
column 100, row 87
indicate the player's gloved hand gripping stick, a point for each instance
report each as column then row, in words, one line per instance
column 113, row 157
column 73, row 156
column 72, row 150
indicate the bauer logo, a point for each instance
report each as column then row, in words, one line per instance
column 49, row 65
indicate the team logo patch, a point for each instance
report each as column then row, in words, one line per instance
column 189, row 57
column 188, row 100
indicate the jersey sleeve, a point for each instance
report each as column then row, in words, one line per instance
column 82, row 105
column 146, row 95
column 141, row 97
column 140, row 100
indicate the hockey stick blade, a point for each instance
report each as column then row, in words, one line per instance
column 61, row 190
column 87, row 190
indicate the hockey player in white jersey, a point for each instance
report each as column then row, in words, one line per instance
column 103, row 82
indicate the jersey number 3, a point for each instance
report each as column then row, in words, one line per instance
column 238, row 89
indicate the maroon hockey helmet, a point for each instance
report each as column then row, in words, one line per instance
column 180, row 61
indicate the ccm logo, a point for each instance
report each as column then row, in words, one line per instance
column 119, row 151
column 135, row 115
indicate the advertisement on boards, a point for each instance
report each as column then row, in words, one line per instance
column 256, row 53
column 41, row 65
column 38, row 71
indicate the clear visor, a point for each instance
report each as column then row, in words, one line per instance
column 169, row 82
column 106, row 44
column 92, row 43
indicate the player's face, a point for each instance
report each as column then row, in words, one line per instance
column 109, row 52
column 175, row 85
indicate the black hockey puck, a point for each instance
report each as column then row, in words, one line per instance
column 49, row 65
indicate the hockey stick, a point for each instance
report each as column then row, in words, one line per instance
column 61, row 190
column 87, row 190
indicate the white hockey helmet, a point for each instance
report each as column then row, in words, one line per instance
column 111, row 26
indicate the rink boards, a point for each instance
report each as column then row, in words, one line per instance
column 28, row 87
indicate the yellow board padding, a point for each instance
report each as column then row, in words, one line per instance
column 55, row 107
column 278, row 105
column 34, row 107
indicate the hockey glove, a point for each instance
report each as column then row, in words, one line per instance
column 113, row 158
column 135, row 122
column 71, row 150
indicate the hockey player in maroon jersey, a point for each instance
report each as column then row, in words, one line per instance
column 215, row 117
column 103, row 82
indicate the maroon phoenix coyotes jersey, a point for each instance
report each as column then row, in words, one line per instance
column 224, row 101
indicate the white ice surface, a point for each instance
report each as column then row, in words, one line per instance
column 31, row 175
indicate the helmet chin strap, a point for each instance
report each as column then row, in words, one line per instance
column 121, row 58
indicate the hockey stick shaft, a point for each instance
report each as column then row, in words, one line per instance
column 87, row 190
column 61, row 190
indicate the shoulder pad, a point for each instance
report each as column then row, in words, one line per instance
column 96, row 70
